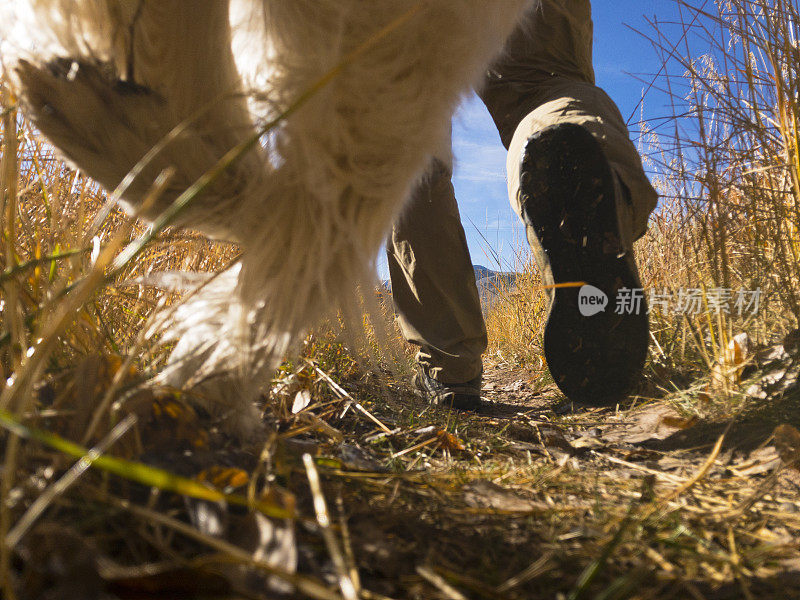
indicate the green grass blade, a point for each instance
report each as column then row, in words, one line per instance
column 138, row 472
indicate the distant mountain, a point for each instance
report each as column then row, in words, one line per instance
column 491, row 283
column 481, row 272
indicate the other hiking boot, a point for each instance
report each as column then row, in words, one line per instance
column 460, row 396
column 596, row 337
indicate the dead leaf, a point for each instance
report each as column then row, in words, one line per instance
column 727, row 371
column 450, row 442
column 679, row 422
column 224, row 478
column 651, row 422
column 787, row 442
column 302, row 400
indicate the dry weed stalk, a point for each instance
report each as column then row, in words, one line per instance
column 729, row 169
column 727, row 164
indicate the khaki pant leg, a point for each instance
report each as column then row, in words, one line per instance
column 545, row 78
column 433, row 282
column 586, row 105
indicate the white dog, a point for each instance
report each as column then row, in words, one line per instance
column 310, row 204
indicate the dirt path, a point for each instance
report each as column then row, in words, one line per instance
column 521, row 501
column 540, row 492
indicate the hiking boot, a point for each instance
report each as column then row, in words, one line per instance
column 460, row 396
column 596, row 337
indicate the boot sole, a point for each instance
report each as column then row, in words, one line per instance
column 568, row 197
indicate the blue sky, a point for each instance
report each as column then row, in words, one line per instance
column 621, row 57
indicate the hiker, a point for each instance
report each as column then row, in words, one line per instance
column 577, row 182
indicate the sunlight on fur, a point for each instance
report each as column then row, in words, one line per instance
column 106, row 80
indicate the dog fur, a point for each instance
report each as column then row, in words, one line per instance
column 107, row 80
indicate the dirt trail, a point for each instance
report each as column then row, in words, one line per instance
column 541, row 490
column 524, row 500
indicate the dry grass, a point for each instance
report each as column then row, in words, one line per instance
column 729, row 173
column 382, row 495
column 515, row 321
column 726, row 165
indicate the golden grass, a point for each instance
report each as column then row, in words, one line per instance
column 727, row 166
column 391, row 496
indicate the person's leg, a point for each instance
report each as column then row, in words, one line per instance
column 577, row 182
column 433, row 286
column 588, row 106
column 545, row 78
